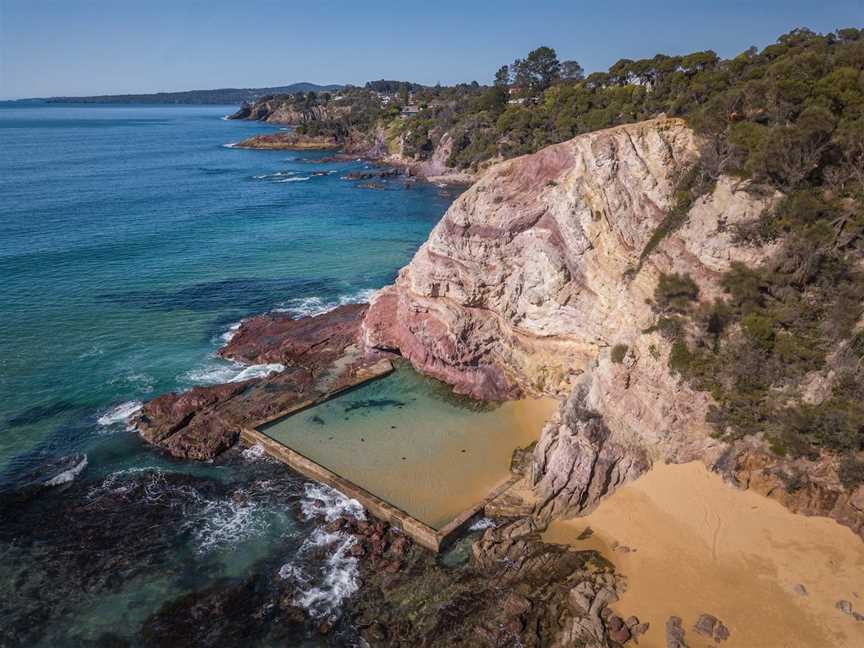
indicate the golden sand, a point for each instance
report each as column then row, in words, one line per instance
column 698, row 545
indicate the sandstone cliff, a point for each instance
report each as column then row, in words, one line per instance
column 528, row 282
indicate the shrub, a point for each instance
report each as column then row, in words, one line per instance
column 851, row 472
column 675, row 293
column 680, row 357
column 618, row 353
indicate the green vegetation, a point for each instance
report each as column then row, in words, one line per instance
column 619, row 351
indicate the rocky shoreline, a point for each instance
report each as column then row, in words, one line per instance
column 289, row 141
column 371, row 145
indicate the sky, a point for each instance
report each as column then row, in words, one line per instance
column 79, row 47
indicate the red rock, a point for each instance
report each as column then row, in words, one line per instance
column 205, row 421
column 279, row 338
column 515, row 604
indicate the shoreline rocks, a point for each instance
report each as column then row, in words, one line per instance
column 290, row 141
column 320, row 354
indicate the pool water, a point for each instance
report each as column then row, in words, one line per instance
column 408, row 440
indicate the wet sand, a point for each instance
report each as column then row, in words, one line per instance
column 406, row 440
column 699, row 545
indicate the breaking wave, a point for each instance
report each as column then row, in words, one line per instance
column 69, row 474
column 337, row 577
column 254, row 453
column 228, row 335
column 482, row 524
column 323, row 585
column 311, row 306
column 227, row 522
column 322, row 502
column 121, row 413
column 220, row 372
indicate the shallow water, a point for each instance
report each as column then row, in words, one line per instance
column 133, row 241
column 408, row 440
column 690, row 544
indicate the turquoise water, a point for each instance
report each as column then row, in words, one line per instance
column 132, row 240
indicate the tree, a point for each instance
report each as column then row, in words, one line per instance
column 502, row 76
column 571, row 71
column 539, row 70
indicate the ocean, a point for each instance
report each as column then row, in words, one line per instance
column 133, row 240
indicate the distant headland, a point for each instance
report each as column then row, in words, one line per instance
column 192, row 97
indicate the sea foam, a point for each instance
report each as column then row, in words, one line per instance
column 321, row 594
column 338, row 574
column 321, row 501
column 120, row 413
column 311, row 306
column 68, row 475
column 220, row 372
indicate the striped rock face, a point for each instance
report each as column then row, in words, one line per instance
column 528, row 281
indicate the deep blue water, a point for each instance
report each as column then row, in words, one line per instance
column 132, row 240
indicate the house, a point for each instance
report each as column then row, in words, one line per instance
column 410, row 110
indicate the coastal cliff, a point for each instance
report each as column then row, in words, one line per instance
column 538, row 272
column 330, row 126
column 282, row 109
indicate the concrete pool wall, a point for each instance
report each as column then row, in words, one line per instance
column 421, row 533
column 404, row 447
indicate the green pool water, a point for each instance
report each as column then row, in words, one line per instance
column 408, row 440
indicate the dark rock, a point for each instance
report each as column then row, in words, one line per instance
column 800, row 589
column 335, row 525
column 640, row 629
column 632, row 621
column 391, row 566
column 621, row 635
column 515, row 604
column 375, row 632
column 675, row 633
column 493, row 600
column 705, row 625
column 514, row 626
column 844, row 606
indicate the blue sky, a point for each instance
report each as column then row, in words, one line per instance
column 77, row 47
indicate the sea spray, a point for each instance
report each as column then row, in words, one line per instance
column 121, row 413
column 311, row 306
column 335, row 579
